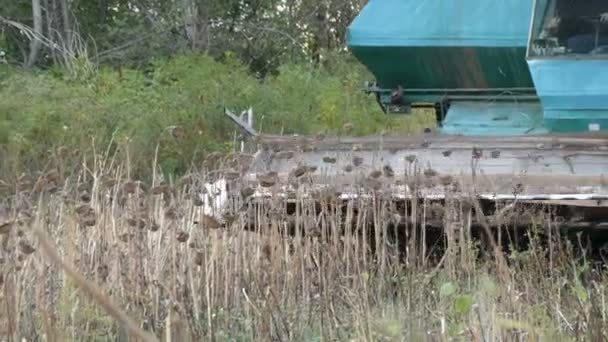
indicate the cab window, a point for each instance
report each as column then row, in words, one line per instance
column 570, row 27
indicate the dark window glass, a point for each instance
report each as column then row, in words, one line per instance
column 570, row 27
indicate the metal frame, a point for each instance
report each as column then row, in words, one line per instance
column 458, row 94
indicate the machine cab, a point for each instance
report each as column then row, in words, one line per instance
column 568, row 60
column 567, row 28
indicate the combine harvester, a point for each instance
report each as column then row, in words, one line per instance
column 521, row 101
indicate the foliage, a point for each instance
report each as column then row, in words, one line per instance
column 264, row 34
column 42, row 111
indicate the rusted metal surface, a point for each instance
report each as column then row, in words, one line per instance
column 548, row 168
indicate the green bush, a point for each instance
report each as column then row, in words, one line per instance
column 124, row 107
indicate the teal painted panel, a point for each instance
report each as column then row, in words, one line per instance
column 446, row 67
column 439, row 44
column 494, row 119
column 583, row 123
column 502, row 23
column 573, row 92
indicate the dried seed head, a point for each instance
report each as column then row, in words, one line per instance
column 109, row 183
column 446, row 180
column 348, row 127
column 5, row 227
column 315, row 232
column 477, row 153
column 125, row 237
column 171, row 213
column 41, row 185
column 182, row 236
column 373, row 184
column 410, row 158
column 284, row 155
column 329, row 160
column 247, row 192
column 84, row 209
column 268, row 180
column 466, row 205
column 299, row 171
column 129, row 187
column 186, row 180
column 26, row 248
column 348, row 168
column 23, row 185
column 375, row 174
column 210, row 222
column 429, row 173
column 85, row 197
column 52, row 176
column 388, row 171
column 161, row 189
column 177, row 132
column 267, row 251
column 231, row 175
column 89, row 221
column 153, row 227
column 103, row 271
column 309, row 148
column 132, row 221
column 213, row 156
column 357, row 161
column 63, row 152
column 229, row 218
column 82, row 187
column 198, row 258
column 197, row 201
column 267, row 183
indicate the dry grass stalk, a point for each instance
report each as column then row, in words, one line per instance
column 93, row 291
column 363, row 269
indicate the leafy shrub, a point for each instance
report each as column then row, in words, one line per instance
column 134, row 108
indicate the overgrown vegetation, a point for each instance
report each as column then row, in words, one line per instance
column 47, row 110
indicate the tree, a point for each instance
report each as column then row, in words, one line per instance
column 263, row 33
column 35, row 42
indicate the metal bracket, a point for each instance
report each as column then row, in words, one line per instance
column 246, row 126
column 390, row 100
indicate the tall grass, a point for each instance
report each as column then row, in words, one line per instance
column 177, row 274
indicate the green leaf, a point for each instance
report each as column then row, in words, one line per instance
column 447, row 289
column 581, row 293
column 463, row 304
